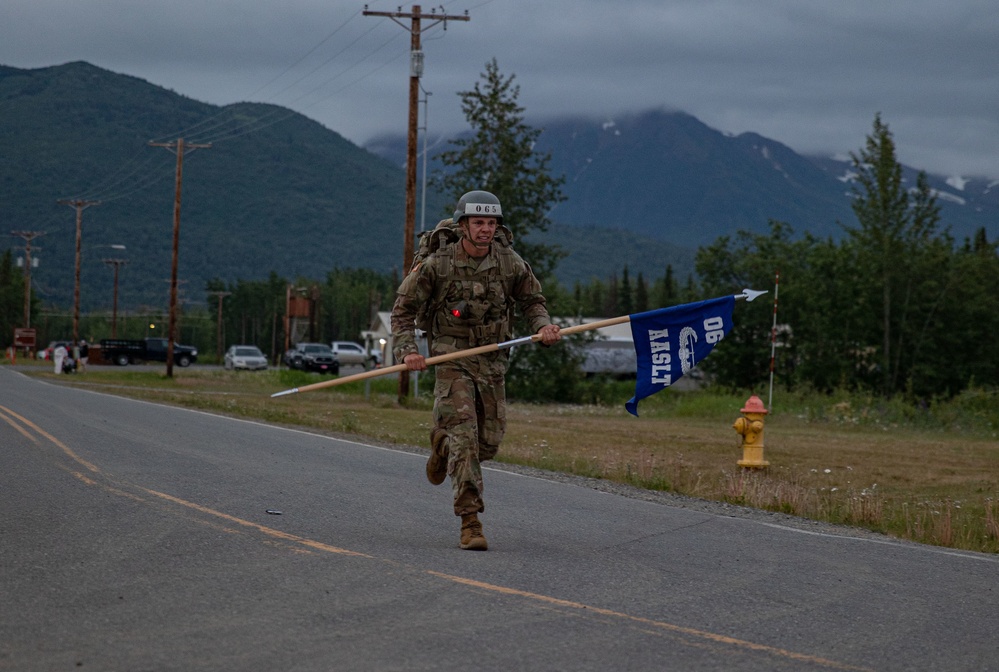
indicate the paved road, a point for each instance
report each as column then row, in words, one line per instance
column 137, row 537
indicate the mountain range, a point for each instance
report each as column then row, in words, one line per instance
column 278, row 192
column 667, row 176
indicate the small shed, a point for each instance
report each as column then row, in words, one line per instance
column 379, row 337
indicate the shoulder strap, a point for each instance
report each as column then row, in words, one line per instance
column 438, row 298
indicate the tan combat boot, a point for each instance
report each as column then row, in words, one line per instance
column 437, row 464
column 471, row 533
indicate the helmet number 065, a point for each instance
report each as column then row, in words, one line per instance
column 482, row 209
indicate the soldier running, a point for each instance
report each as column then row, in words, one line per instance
column 463, row 296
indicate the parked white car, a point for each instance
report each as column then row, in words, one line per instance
column 246, row 357
column 353, row 354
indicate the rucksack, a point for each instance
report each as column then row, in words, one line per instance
column 445, row 233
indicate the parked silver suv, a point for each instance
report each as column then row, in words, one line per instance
column 353, row 354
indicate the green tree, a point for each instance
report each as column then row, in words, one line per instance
column 500, row 157
column 666, row 291
column 252, row 314
column 641, row 294
column 817, row 322
column 951, row 349
column 577, row 299
column 595, row 293
column 612, row 298
column 726, row 267
column 625, row 294
column 11, row 299
column 350, row 299
column 892, row 247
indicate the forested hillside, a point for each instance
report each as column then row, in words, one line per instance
column 274, row 192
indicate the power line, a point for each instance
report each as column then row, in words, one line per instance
column 124, row 172
column 283, row 112
column 241, row 125
column 148, row 178
column 188, row 131
column 286, row 114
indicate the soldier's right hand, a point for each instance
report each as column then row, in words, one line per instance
column 415, row 362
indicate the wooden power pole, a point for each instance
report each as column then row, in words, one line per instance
column 415, row 72
column 218, row 324
column 28, row 236
column 116, row 264
column 178, row 148
column 80, row 206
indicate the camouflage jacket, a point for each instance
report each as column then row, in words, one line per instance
column 466, row 305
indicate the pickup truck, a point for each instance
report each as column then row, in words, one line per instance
column 312, row 357
column 353, row 354
column 123, row 352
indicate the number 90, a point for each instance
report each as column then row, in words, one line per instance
column 714, row 329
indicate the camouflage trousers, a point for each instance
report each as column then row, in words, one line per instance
column 471, row 408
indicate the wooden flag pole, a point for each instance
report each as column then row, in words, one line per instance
column 747, row 294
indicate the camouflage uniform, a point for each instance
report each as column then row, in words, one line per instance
column 470, row 396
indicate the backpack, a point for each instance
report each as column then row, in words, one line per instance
column 445, row 233
column 438, row 238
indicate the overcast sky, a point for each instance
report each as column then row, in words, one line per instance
column 807, row 73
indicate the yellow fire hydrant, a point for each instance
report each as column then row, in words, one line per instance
column 750, row 428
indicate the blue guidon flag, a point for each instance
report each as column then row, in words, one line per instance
column 669, row 342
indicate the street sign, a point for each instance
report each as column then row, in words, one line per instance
column 24, row 338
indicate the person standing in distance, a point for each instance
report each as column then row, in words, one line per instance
column 84, row 355
column 464, row 294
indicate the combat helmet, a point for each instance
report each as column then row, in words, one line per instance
column 478, row 203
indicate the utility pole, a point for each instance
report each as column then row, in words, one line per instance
column 179, row 148
column 116, row 263
column 423, row 195
column 80, row 206
column 28, row 236
column 218, row 325
column 415, row 72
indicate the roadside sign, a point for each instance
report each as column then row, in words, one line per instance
column 24, row 338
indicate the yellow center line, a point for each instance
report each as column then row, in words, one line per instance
column 269, row 531
column 10, row 421
column 66, row 449
column 472, row 583
column 661, row 625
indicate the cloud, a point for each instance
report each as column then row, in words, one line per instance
column 810, row 75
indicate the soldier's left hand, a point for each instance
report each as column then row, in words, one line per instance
column 550, row 334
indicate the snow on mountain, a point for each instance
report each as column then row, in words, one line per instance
column 957, row 182
column 667, row 175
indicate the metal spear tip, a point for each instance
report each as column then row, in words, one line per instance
column 281, row 394
column 750, row 294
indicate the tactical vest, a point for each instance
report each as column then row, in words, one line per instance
column 472, row 305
